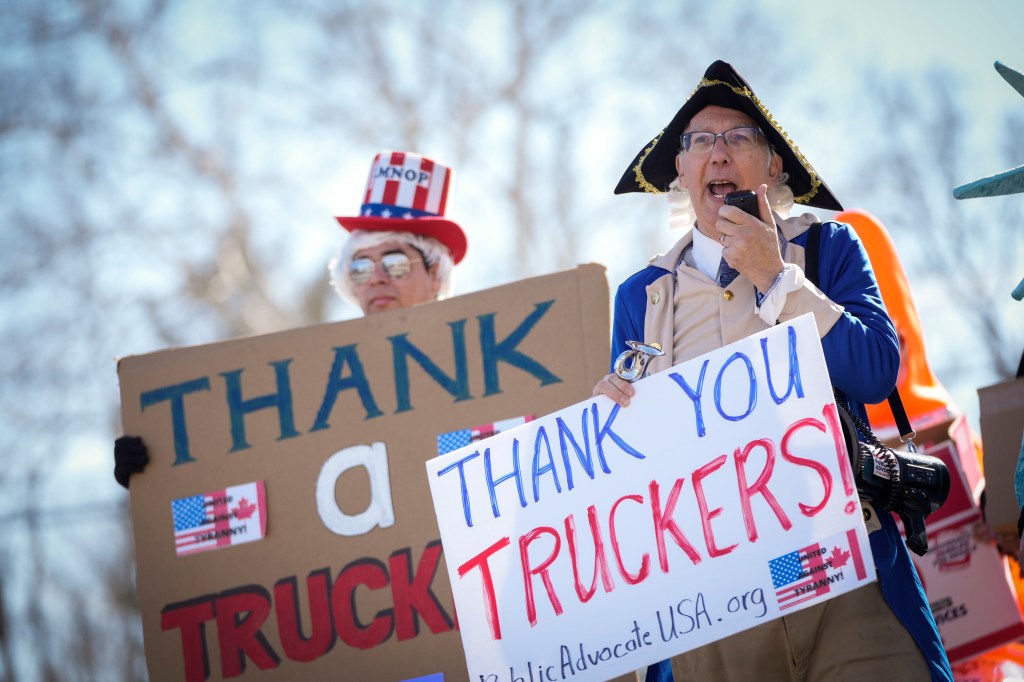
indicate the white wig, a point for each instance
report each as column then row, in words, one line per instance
column 434, row 253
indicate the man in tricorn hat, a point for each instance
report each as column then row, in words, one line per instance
column 731, row 275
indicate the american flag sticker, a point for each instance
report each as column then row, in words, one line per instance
column 219, row 519
column 447, row 442
column 827, row 568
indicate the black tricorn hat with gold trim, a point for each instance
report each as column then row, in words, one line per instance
column 654, row 167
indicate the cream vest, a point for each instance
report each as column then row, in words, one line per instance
column 689, row 314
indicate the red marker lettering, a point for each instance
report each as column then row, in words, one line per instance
column 545, row 576
column 645, row 562
column 480, row 561
column 760, row 486
column 190, row 617
column 240, row 636
column 706, row 515
column 664, row 520
column 823, row 472
column 832, row 417
column 600, row 560
column 289, row 622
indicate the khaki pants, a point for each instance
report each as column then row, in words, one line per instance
column 855, row 636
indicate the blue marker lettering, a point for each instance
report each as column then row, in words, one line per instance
column 282, row 400
column 539, row 470
column 336, row 384
column 586, row 461
column 176, row 395
column 752, row 395
column 606, row 432
column 402, row 349
column 794, row 369
column 694, row 396
column 462, row 482
column 514, row 474
column 494, row 351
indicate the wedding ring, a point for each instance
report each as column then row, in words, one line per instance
column 721, row 238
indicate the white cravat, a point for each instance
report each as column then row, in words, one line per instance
column 707, row 254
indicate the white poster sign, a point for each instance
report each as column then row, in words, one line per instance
column 599, row 539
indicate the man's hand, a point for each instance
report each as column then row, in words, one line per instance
column 130, row 457
column 616, row 388
column 751, row 245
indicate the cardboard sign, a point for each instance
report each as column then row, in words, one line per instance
column 1002, row 432
column 597, row 540
column 967, row 581
column 334, row 423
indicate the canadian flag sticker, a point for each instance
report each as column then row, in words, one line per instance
column 831, row 565
column 220, row 518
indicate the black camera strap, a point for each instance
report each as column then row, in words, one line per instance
column 899, row 413
column 910, row 484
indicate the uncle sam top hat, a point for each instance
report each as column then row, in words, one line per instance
column 654, row 167
column 407, row 192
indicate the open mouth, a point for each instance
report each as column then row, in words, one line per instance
column 719, row 188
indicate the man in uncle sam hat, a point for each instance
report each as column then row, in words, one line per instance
column 735, row 273
column 402, row 249
column 401, row 253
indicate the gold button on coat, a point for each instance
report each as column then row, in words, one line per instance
column 727, row 295
column 655, row 297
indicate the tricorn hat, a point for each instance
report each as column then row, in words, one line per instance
column 408, row 192
column 654, row 167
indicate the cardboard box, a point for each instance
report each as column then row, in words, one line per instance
column 1002, row 433
column 335, row 422
column 953, row 439
column 967, row 581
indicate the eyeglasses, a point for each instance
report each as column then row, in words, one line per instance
column 744, row 137
column 396, row 266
